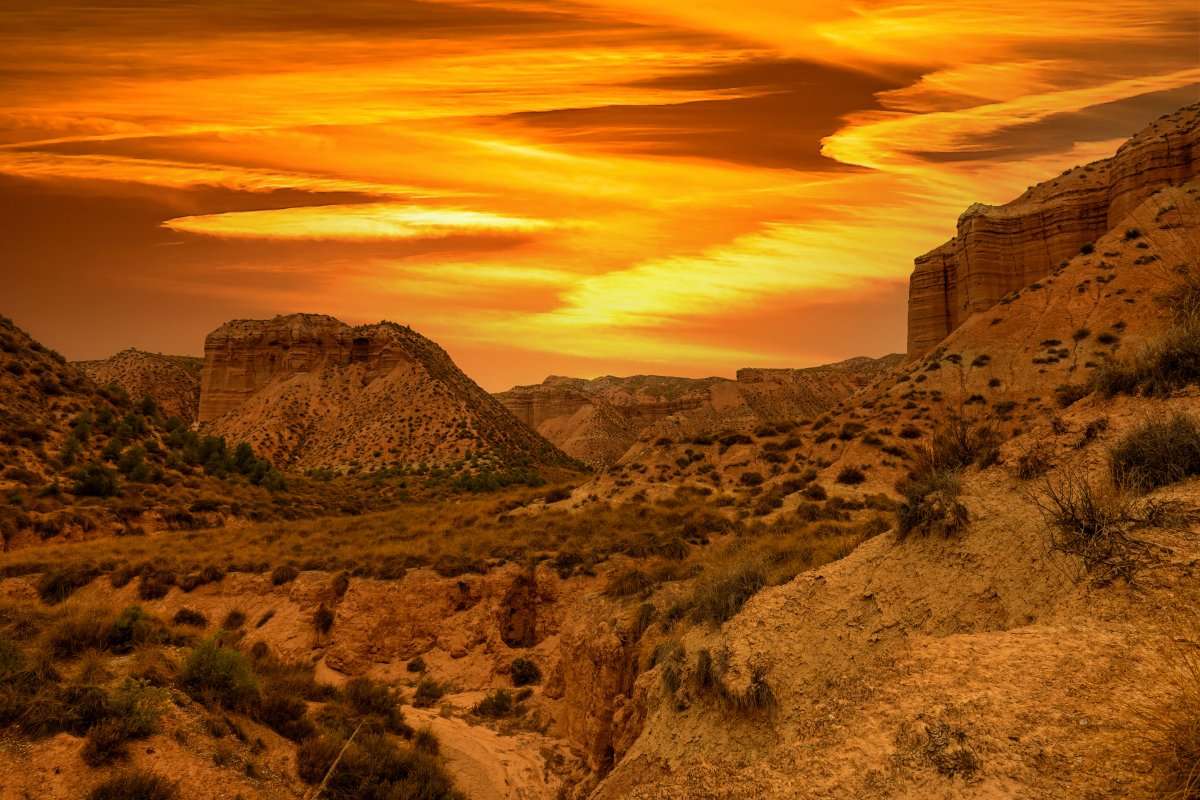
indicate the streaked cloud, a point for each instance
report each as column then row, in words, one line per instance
column 542, row 186
column 354, row 222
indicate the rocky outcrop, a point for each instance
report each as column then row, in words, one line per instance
column 308, row 390
column 1000, row 249
column 597, row 421
column 173, row 382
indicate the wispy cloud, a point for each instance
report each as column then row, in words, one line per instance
column 624, row 181
column 355, row 222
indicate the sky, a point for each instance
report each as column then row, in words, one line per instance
column 541, row 186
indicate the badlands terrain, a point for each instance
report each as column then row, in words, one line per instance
column 324, row 562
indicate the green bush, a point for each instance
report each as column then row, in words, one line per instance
column 751, row 479
column 1157, row 453
column 628, row 582
column 323, row 618
column 498, row 703
column 155, row 584
column 314, row 757
column 95, row 480
column 1161, row 368
column 525, row 672
column 59, row 584
column 371, row 698
column 94, row 629
column 134, row 711
column 931, row 505
column 851, row 476
column 286, row 714
column 220, row 675
column 375, row 767
column 427, row 693
column 932, row 489
column 284, row 573
column 425, row 741
column 189, row 616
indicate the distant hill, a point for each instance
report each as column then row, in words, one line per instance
column 313, row 392
column 597, row 421
column 173, row 382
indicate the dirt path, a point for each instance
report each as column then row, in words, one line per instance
column 487, row 765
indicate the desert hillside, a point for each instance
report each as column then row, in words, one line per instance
column 598, row 420
column 313, row 392
column 173, row 382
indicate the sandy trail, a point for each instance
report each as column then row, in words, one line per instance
column 487, row 765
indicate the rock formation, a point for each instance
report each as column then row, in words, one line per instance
column 310, row 391
column 173, row 382
column 999, row 249
column 597, row 421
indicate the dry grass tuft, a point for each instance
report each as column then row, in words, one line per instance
column 1174, row 726
column 1157, row 453
column 1093, row 521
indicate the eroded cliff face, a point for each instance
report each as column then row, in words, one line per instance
column 243, row 356
column 1000, row 249
column 310, row 391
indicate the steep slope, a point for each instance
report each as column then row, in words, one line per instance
column 173, row 382
column 597, row 421
column 964, row 668
column 999, row 249
column 311, row 391
column 39, row 392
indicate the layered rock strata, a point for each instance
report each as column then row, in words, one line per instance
column 1000, row 249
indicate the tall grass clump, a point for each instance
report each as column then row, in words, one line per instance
column 1174, row 726
column 1157, row 453
column 135, row 784
column 1168, row 363
column 932, row 489
column 1092, row 521
column 1159, row 369
column 373, row 766
column 719, row 598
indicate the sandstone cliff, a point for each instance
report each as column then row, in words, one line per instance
column 173, row 382
column 597, row 421
column 311, row 391
column 999, row 249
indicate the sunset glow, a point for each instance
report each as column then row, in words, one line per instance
column 541, row 187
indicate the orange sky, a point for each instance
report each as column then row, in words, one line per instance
column 541, row 186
